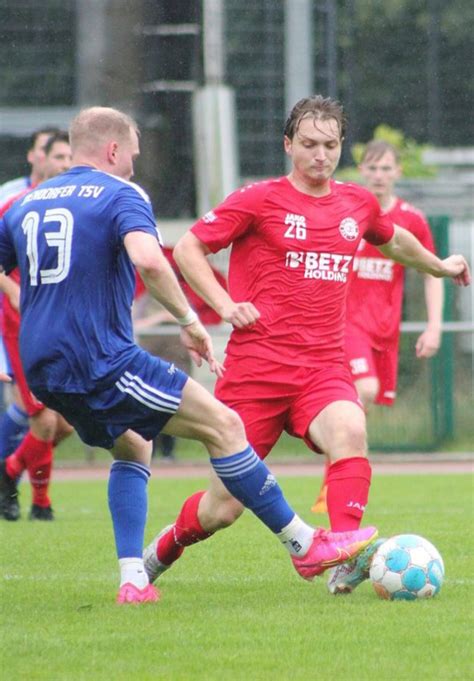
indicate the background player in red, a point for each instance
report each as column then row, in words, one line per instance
column 14, row 421
column 35, row 453
column 293, row 242
column 374, row 302
column 36, row 158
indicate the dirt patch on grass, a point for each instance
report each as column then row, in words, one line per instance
column 425, row 464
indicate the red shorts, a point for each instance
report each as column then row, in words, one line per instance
column 31, row 404
column 271, row 397
column 366, row 360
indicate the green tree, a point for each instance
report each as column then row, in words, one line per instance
column 410, row 64
column 411, row 154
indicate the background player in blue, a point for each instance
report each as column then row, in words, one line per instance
column 76, row 239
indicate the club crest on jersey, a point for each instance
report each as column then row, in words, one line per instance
column 349, row 229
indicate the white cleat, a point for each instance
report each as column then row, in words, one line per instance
column 153, row 567
column 344, row 578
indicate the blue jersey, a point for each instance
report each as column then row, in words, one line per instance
column 77, row 281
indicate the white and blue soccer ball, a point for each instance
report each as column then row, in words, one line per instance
column 407, row 567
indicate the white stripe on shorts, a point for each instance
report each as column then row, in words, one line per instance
column 145, row 398
column 155, row 391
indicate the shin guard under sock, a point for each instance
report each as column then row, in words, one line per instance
column 348, row 491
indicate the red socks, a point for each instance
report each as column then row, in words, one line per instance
column 348, row 483
column 186, row 530
column 15, row 463
column 39, row 471
column 37, row 456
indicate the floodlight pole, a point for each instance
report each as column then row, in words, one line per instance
column 213, row 42
column 214, row 117
column 298, row 51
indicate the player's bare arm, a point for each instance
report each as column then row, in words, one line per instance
column 191, row 255
column 428, row 343
column 160, row 280
column 406, row 249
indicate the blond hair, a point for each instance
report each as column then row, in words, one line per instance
column 97, row 125
column 375, row 149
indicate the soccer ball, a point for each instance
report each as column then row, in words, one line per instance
column 406, row 567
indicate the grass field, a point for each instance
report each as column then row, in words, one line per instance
column 232, row 608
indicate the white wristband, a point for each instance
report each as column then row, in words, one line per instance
column 189, row 318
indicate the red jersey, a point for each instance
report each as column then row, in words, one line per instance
column 291, row 257
column 206, row 314
column 11, row 317
column 374, row 303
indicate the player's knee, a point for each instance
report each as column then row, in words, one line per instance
column 63, row 428
column 43, row 424
column 230, row 429
column 357, row 434
column 367, row 390
column 352, row 442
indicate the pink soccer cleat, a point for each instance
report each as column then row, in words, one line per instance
column 129, row 593
column 332, row 548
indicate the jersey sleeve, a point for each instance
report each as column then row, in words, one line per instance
column 231, row 219
column 381, row 227
column 8, row 260
column 132, row 212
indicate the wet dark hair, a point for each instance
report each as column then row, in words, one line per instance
column 320, row 109
column 375, row 149
column 60, row 136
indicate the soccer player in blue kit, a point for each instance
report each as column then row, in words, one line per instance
column 77, row 240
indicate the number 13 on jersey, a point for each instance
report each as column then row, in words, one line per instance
column 61, row 239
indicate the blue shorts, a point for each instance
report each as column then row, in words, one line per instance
column 142, row 399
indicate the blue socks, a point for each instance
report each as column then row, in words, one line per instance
column 248, row 479
column 128, row 506
column 14, row 425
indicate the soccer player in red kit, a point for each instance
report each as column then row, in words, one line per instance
column 47, row 428
column 293, row 241
column 374, row 301
column 373, row 327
